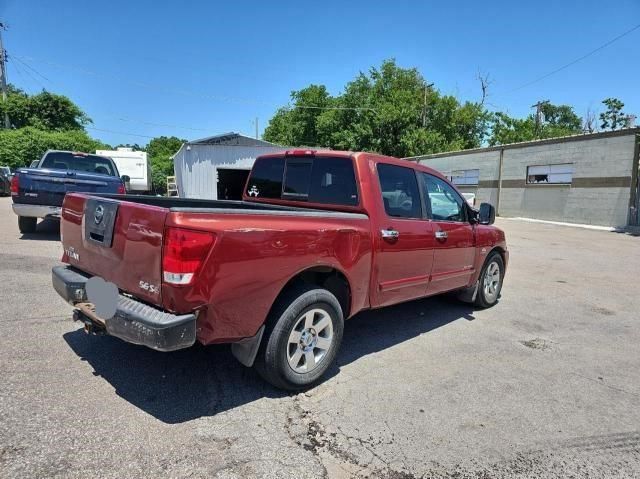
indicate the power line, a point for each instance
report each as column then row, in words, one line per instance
column 19, row 72
column 28, row 73
column 118, row 132
column 13, row 57
column 194, row 93
column 573, row 62
column 149, row 123
column 284, row 147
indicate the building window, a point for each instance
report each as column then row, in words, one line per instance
column 550, row 174
column 465, row 177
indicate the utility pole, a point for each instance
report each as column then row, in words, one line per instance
column 257, row 128
column 538, row 107
column 424, row 105
column 3, row 76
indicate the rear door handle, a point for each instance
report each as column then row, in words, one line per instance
column 441, row 235
column 390, row 234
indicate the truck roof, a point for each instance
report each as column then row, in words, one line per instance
column 356, row 155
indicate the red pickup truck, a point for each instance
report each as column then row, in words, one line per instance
column 318, row 237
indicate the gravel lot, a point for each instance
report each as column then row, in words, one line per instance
column 545, row 384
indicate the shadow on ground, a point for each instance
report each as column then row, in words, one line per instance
column 203, row 381
column 629, row 230
column 47, row 230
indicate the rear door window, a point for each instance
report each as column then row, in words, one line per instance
column 400, row 192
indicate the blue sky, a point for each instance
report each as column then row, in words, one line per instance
column 215, row 66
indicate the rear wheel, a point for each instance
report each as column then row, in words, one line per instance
column 27, row 224
column 490, row 279
column 303, row 335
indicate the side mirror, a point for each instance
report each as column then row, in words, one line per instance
column 127, row 181
column 487, row 214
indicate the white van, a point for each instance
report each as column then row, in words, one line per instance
column 134, row 164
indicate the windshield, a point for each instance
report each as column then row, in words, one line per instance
column 65, row 160
column 5, row 171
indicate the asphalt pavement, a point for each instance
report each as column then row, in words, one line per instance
column 544, row 384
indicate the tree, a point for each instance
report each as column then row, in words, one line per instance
column 20, row 147
column 613, row 118
column 558, row 120
column 160, row 153
column 589, row 124
column 133, row 146
column 390, row 110
column 45, row 111
column 506, row 129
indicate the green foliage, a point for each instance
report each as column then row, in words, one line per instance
column 390, row 110
column 561, row 116
column 133, row 146
column 42, row 122
column 506, row 129
column 44, row 111
column 558, row 120
column 20, row 147
column 614, row 118
column 160, row 152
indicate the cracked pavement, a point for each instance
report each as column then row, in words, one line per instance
column 545, row 384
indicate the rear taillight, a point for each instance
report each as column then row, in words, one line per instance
column 15, row 185
column 121, row 189
column 183, row 253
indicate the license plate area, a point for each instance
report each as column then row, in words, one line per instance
column 99, row 221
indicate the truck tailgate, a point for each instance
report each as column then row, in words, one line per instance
column 116, row 240
column 48, row 187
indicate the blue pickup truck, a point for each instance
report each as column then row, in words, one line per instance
column 38, row 191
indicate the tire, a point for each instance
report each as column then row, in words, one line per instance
column 490, row 281
column 298, row 316
column 27, row 224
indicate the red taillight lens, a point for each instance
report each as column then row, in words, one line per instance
column 183, row 253
column 122, row 190
column 15, row 185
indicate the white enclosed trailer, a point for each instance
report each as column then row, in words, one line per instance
column 134, row 164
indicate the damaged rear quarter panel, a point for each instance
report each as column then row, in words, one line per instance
column 249, row 266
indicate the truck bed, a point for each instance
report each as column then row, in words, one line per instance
column 257, row 248
column 224, row 206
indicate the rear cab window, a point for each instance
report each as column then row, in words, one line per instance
column 64, row 160
column 322, row 180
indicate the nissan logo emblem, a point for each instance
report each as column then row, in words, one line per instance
column 98, row 214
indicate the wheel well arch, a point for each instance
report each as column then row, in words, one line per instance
column 327, row 277
column 500, row 251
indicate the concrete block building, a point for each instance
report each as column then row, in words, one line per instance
column 588, row 179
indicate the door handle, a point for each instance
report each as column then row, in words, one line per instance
column 441, row 235
column 390, row 234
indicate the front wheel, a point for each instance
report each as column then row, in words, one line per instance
column 27, row 224
column 303, row 335
column 490, row 279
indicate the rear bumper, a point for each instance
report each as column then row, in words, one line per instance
column 134, row 322
column 36, row 211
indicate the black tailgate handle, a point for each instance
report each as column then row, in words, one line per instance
column 99, row 221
